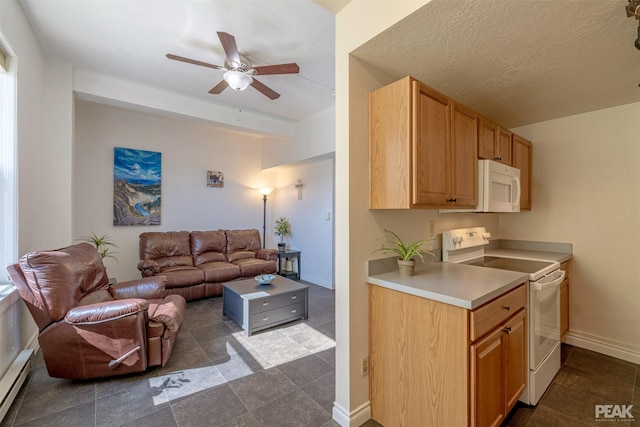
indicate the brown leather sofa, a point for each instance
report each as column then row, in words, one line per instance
column 197, row 263
column 88, row 329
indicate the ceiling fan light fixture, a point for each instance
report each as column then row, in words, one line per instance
column 237, row 80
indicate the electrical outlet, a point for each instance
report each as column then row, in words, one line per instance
column 364, row 366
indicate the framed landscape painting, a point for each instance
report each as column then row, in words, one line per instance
column 137, row 179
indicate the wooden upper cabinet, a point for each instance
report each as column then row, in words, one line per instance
column 487, row 137
column 390, row 135
column 494, row 142
column 432, row 112
column 504, row 146
column 422, row 149
column 522, row 160
column 463, row 157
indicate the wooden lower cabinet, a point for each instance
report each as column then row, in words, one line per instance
column 498, row 371
column 564, row 308
column 515, row 359
column 426, row 371
column 564, row 301
column 487, row 375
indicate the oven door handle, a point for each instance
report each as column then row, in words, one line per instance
column 536, row 286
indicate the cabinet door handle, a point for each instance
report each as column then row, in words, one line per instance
column 294, row 297
column 266, row 303
column 452, row 200
column 506, row 307
column 294, row 311
column 507, row 330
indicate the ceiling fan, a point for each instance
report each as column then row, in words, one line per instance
column 239, row 73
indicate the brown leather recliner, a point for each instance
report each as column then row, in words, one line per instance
column 88, row 329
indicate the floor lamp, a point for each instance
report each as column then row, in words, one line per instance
column 265, row 192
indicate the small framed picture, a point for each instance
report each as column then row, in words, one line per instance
column 215, row 179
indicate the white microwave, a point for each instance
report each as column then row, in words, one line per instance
column 498, row 188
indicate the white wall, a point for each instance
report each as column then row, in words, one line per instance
column 356, row 23
column 313, row 137
column 586, row 191
column 310, row 156
column 189, row 148
column 311, row 216
column 56, row 175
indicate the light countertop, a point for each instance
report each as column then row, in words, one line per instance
column 461, row 285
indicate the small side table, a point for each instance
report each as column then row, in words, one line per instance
column 286, row 256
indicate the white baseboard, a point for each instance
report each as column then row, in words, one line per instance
column 12, row 380
column 356, row 418
column 603, row 345
column 318, row 281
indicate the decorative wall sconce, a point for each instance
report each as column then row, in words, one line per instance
column 299, row 187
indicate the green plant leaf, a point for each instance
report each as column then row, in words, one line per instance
column 103, row 244
column 404, row 250
column 282, row 228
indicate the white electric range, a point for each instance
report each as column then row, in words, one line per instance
column 467, row 246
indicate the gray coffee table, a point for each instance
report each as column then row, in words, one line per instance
column 256, row 307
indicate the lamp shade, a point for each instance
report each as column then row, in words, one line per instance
column 265, row 191
column 237, row 80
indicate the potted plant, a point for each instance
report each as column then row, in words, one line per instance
column 406, row 251
column 103, row 244
column 283, row 228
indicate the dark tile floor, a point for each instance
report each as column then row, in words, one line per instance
column 216, row 376
column 281, row 377
column 585, row 379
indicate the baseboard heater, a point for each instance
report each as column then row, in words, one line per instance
column 13, row 379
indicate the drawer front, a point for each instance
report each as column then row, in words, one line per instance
column 490, row 315
column 279, row 315
column 271, row 303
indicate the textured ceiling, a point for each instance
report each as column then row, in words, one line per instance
column 517, row 62
column 128, row 39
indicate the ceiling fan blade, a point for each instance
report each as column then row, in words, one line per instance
column 291, row 68
column 265, row 90
column 229, row 46
column 192, row 61
column 219, row 87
